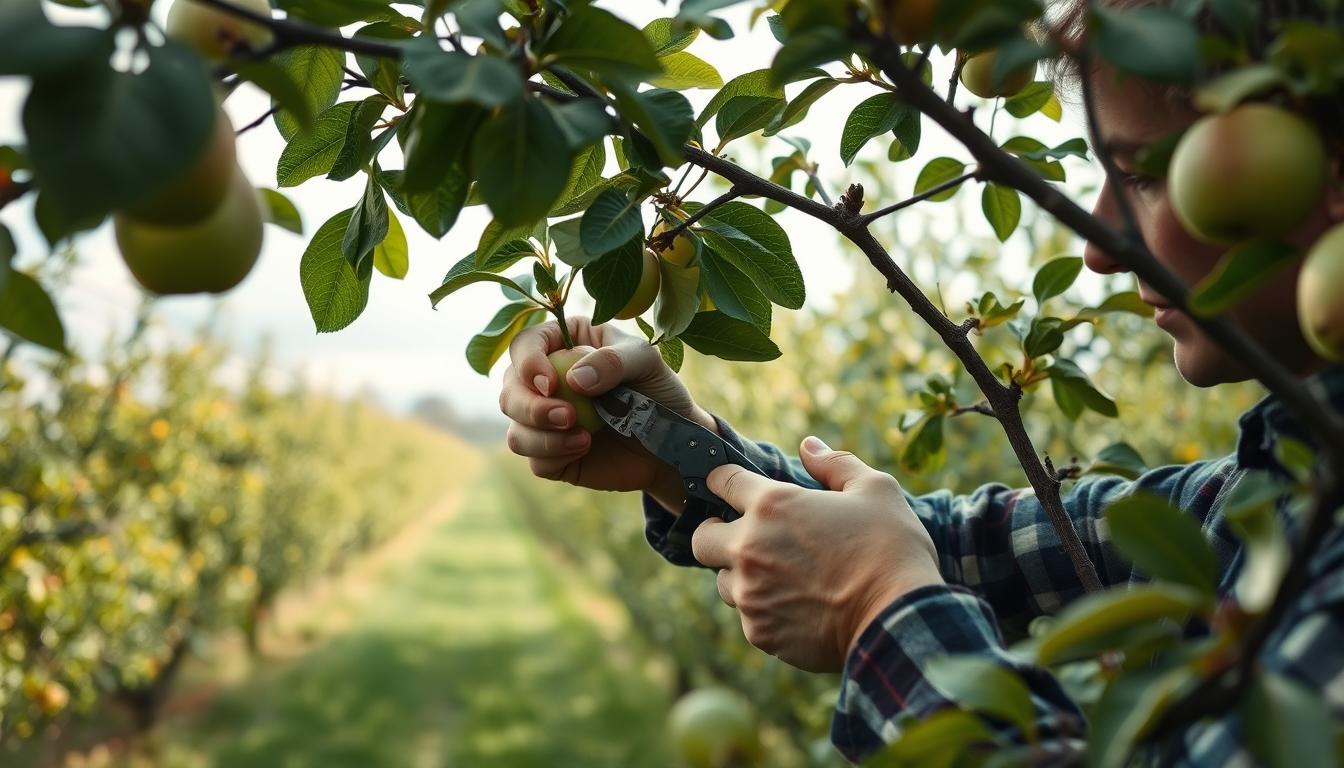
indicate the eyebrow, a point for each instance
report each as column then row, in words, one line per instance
column 1124, row 148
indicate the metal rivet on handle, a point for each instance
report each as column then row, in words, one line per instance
column 713, row 451
column 691, row 485
column 694, row 443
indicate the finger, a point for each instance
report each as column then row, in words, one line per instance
column 528, row 351
column 546, row 443
column 712, row 542
column 739, row 487
column 521, row 404
column 725, row 585
column 626, row 360
column 835, row 470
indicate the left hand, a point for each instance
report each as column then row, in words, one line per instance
column 808, row 570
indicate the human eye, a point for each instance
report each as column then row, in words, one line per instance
column 1140, row 183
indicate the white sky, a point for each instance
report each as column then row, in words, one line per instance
column 399, row 346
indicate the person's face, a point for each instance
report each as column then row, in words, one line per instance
column 1130, row 117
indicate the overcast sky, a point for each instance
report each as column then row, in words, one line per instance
column 399, row 346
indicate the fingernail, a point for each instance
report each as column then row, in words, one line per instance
column 577, row 440
column 814, row 445
column 559, row 417
column 542, row 384
column 584, row 376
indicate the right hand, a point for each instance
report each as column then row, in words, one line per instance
column 543, row 426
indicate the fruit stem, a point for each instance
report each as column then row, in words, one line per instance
column 558, row 309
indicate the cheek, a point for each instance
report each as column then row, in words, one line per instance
column 1180, row 253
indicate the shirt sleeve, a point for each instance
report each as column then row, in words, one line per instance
column 885, row 683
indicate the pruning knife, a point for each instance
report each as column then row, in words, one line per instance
column 690, row 448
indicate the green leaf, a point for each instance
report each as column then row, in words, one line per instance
column 285, row 92
column 1288, row 725
column 1068, row 381
column 281, row 211
column 686, row 70
column 755, row 83
column 584, row 123
column 939, row 170
column 1055, row 277
column 436, row 140
column 796, row 110
column 1030, row 100
column 1129, row 709
column 368, row 226
column 585, row 181
column 733, row 293
column 1088, row 623
column 1239, row 273
column 435, row 211
column 1002, row 208
column 452, row 76
column 1127, row 301
column 873, row 117
column 569, row 243
column 504, row 257
column 1156, row 44
column 336, row 13
column 594, row 39
column 744, row 115
column 613, row 278
column 678, row 298
column 809, row 48
column 319, row 71
column 461, row 281
column 522, row 161
column 100, row 139
column 1250, row 509
column 909, row 132
column 663, row 116
column 753, row 242
column 392, row 257
column 668, row 37
column 673, row 352
column 1162, row 541
column 936, row 740
column 385, row 73
column 727, row 338
column 1231, row 89
column 315, row 153
column 924, row 443
column 31, row 45
column 487, row 347
column 610, row 222
column 1118, row 459
column 496, row 235
column 981, row 685
column 28, row 312
column 359, row 148
column 336, row 295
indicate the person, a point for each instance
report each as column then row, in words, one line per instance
column 834, row 567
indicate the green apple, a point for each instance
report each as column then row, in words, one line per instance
column 682, row 250
column 715, row 728
column 210, row 256
column 199, row 190
column 910, row 21
column 1320, row 301
column 649, row 280
column 977, row 74
column 563, row 360
column 216, row 34
column 1257, row 171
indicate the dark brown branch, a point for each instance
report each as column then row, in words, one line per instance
column 664, row 241
column 1002, row 399
column 921, row 197
column 982, row 408
column 290, row 34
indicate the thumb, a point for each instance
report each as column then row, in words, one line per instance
column 833, row 469
column 613, row 365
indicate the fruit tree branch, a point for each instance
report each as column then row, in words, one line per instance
column 921, row 197
column 1003, row 399
column 664, row 240
column 290, row 34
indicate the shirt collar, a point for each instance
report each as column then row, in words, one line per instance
column 1268, row 419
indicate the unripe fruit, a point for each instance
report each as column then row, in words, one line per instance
column 210, row 256
column 910, row 21
column 682, row 250
column 1320, row 295
column 1257, row 171
column 200, row 189
column 715, row 728
column 216, row 34
column 977, row 74
column 647, row 290
column 563, row 360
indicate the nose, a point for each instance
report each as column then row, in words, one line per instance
column 1107, row 211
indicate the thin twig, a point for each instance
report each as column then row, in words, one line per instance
column 290, row 34
column 921, row 197
column 983, row 408
column 663, row 241
column 811, row 170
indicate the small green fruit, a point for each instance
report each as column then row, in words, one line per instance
column 977, row 74
column 563, row 360
column 200, row 189
column 649, row 281
column 682, row 250
column 216, row 34
column 210, row 256
column 1257, row 171
column 1320, row 302
column 715, row 728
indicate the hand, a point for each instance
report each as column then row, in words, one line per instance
column 543, row 427
column 808, row 570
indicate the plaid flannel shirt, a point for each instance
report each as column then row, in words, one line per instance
column 1004, row 565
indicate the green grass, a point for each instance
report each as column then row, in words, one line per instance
column 475, row 654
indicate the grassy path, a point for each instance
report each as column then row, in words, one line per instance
column 474, row 653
